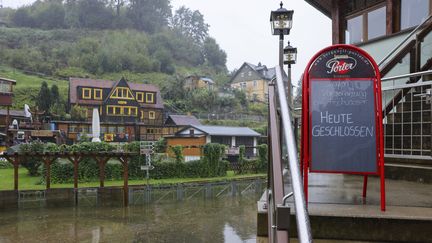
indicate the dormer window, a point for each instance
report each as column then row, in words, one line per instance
column 97, row 94
column 140, row 96
column 149, row 98
column 86, row 93
column 122, row 93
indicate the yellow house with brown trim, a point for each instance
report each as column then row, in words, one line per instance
column 253, row 80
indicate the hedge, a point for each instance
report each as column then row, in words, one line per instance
column 211, row 165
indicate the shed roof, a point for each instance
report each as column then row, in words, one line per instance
column 225, row 131
column 183, row 120
column 14, row 113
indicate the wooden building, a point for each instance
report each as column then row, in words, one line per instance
column 363, row 21
column 128, row 111
column 195, row 136
column 198, row 82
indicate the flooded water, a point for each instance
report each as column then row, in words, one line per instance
column 229, row 219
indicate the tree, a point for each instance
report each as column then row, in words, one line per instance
column 78, row 113
column 44, row 98
column 214, row 56
column 55, row 95
column 94, row 14
column 149, row 15
column 22, row 18
column 190, row 24
column 49, row 14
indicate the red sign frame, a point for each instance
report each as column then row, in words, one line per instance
column 306, row 129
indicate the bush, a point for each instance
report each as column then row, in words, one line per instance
column 32, row 164
column 213, row 153
column 262, row 162
column 4, row 164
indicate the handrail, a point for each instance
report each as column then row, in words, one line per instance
column 408, row 75
column 404, row 40
column 276, row 184
column 302, row 217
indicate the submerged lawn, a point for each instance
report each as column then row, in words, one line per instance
column 26, row 182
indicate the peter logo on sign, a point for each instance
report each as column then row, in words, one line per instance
column 341, row 64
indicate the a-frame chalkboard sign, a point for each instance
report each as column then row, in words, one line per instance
column 341, row 116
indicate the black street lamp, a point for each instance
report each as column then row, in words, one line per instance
column 281, row 23
column 289, row 57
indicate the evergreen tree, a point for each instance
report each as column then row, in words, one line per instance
column 55, row 95
column 44, row 97
column 190, row 24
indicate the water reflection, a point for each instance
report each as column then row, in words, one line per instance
column 199, row 220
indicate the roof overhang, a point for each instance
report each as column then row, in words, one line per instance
column 324, row 6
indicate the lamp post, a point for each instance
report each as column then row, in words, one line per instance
column 281, row 23
column 289, row 57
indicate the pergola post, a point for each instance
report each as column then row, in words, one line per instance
column 124, row 161
column 15, row 162
column 48, row 161
column 75, row 160
column 101, row 162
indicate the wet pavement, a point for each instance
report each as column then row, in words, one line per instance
column 339, row 195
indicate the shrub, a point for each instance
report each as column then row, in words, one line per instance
column 262, row 158
column 4, row 164
column 178, row 153
column 32, row 164
column 213, row 153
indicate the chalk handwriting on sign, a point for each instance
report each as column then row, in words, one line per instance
column 344, row 129
column 343, row 125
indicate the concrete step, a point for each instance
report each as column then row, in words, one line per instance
column 368, row 223
column 409, row 170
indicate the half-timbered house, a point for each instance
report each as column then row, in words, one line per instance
column 128, row 111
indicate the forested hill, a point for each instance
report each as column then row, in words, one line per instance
column 93, row 38
column 141, row 40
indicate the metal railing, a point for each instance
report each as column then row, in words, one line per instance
column 302, row 217
column 404, row 40
column 407, row 127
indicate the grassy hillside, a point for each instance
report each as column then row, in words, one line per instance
column 27, row 86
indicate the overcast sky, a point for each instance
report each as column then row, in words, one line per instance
column 242, row 29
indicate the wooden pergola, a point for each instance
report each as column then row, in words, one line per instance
column 75, row 158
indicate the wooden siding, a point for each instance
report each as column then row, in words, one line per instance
column 188, row 141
